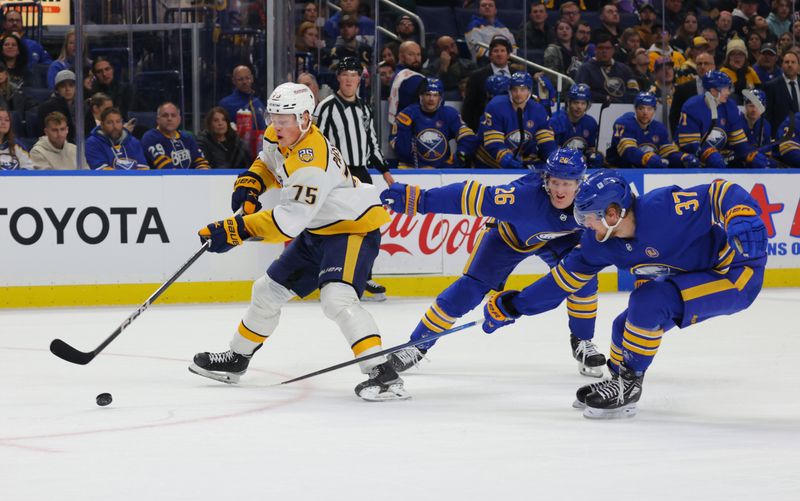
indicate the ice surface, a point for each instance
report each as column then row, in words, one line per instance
column 490, row 416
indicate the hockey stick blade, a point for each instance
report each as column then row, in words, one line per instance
column 387, row 351
column 66, row 352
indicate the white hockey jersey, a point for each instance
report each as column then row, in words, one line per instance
column 318, row 193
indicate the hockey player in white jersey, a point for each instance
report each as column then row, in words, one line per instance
column 334, row 222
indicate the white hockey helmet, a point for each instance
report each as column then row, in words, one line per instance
column 292, row 99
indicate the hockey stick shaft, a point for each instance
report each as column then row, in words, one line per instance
column 521, row 132
column 606, row 104
column 387, row 351
column 66, row 352
column 788, row 136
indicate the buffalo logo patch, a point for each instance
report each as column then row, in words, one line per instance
column 651, row 252
column 306, row 154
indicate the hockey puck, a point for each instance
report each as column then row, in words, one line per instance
column 103, row 399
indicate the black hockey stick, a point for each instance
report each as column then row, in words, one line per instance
column 66, row 352
column 606, row 104
column 788, row 136
column 711, row 102
column 387, row 351
column 521, row 133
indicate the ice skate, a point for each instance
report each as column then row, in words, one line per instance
column 406, row 358
column 374, row 292
column 616, row 397
column 383, row 384
column 225, row 366
column 590, row 361
column 584, row 391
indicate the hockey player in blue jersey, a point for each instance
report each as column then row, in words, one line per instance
column 165, row 147
column 533, row 216
column 697, row 253
column 788, row 148
column 502, row 121
column 545, row 93
column 496, row 85
column 639, row 141
column 421, row 133
column 711, row 127
column 573, row 128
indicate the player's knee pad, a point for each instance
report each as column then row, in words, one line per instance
column 261, row 318
column 654, row 305
column 462, row 296
column 340, row 303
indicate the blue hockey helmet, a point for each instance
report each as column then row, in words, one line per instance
column 597, row 192
column 751, row 95
column 565, row 163
column 580, row 92
column 645, row 99
column 432, row 85
column 521, row 79
column 716, row 80
column 497, row 85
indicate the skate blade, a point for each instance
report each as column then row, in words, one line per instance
column 373, row 298
column 393, row 392
column 626, row 411
column 224, row 377
column 577, row 404
column 587, row 371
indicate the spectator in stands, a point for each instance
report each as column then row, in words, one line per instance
column 52, row 151
column 475, row 100
column 448, row 67
column 571, row 13
column 559, row 54
column 11, row 96
column 767, row 68
column 220, row 144
column 95, row 106
column 310, row 13
column 407, row 79
column 741, row 15
column 754, row 44
column 647, row 18
column 110, row 146
column 62, row 102
column 609, row 23
column 33, row 49
column 15, row 57
column 539, row 35
column 778, row 20
column 307, row 39
column 386, row 74
column 120, row 93
column 711, row 36
column 310, row 81
column 737, row 67
column 686, row 33
column 483, row 28
column 12, row 155
column 406, row 29
column 661, row 48
column 687, row 71
column 244, row 97
column 349, row 44
column 629, row 42
column 783, row 94
column 674, row 13
column 758, row 24
column 664, row 81
column 704, row 62
column 366, row 26
column 785, row 43
column 66, row 59
column 583, row 50
column 165, row 147
column 640, row 65
column 724, row 25
column 607, row 78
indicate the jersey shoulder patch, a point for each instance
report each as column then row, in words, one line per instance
column 311, row 152
column 404, row 119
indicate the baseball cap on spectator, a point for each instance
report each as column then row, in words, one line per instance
column 768, row 47
column 646, row 5
column 404, row 16
column 663, row 61
column 699, row 41
column 348, row 20
column 64, row 76
column 735, row 44
column 500, row 40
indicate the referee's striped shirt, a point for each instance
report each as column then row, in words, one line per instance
column 348, row 125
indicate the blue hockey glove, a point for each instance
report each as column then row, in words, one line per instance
column 404, row 199
column 509, row 162
column 246, row 190
column 225, row 234
column 712, row 159
column 656, row 162
column 595, row 160
column 746, row 231
column 758, row 160
column 461, row 159
column 690, row 161
column 499, row 311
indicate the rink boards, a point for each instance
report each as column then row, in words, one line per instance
column 85, row 238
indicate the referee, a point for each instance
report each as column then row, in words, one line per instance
column 346, row 120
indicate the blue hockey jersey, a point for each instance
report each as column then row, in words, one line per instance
column 427, row 136
column 581, row 135
column 499, row 133
column 789, row 150
column 177, row 152
column 634, row 145
column 697, row 214
column 727, row 135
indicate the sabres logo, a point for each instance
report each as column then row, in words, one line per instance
column 651, row 252
column 306, row 154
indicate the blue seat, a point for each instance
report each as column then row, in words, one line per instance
column 38, row 75
column 39, row 94
column 439, row 20
column 535, row 55
column 155, row 87
column 591, row 17
column 32, row 126
column 463, row 17
column 18, row 122
column 627, row 20
column 144, row 118
column 511, row 18
column 511, row 4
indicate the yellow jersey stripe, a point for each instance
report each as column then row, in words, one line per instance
column 641, row 351
column 643, row 332
column 249, row 334
column 574, row 314
column 581, row 307
column 479, row 203
column 434, row 319
column 444, row 316
column 474, row 250
column 561, row 282
column 365, row 343
column 643, row 342
column 430, row 325
column 351, row 257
